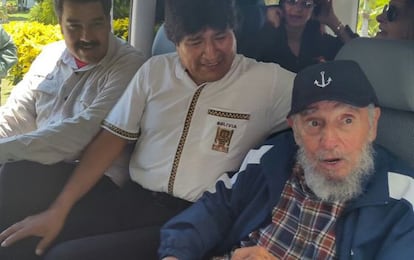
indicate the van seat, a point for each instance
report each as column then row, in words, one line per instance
column 161, row 43
column 389, row 65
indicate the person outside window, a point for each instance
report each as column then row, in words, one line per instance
column 8, row 53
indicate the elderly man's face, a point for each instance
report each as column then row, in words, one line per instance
column 334, row 138
column 207, row 55
column 86, row 30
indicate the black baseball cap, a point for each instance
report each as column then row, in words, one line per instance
column 339, row 80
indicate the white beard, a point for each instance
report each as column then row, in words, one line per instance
column 335, row 190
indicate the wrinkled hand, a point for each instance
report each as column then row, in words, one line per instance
column 253, row 253
column 46, row 225
column 274, row 15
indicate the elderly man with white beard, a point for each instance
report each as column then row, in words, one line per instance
column 323, row 191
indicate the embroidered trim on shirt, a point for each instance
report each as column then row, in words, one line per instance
column 184, row 134
column 119, row 131
column 228, row 114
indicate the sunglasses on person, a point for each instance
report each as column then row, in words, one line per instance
column 305, row 4
column 391, row 12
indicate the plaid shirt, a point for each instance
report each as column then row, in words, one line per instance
column 303, row 226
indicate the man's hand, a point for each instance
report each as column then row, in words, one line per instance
column 46, row 225
column 252, row 253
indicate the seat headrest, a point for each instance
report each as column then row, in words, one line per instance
column 389, row 65
column 161, row 43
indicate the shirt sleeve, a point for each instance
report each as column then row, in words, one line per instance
column 64, row 140
column 18, row 114
column 124, row 119
column 282, row 96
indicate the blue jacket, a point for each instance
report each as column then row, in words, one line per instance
column 377, row 225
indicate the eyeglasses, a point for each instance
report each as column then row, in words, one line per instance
column 308, row 4
column 391, row 12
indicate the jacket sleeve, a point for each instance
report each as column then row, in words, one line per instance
column 195, row 231
column 65, row 139
column 206, row 225
column 8, row 53
column 399, row 241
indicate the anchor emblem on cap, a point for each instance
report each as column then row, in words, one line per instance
column 323, row 83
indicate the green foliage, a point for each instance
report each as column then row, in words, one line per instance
column 29, row 37
column 121, row 8
column 43, row 12
column 11, row 6
column 120, row 28
column 370, row 9
column 3, row 14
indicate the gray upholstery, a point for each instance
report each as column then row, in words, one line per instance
column 161, row 43
column 389, row 66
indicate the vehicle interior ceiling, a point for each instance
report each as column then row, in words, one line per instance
column 391, row 75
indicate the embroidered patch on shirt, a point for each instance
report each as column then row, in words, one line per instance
column 225, row 128
column 222, row 140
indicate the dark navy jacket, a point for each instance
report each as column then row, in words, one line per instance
column 376, row 225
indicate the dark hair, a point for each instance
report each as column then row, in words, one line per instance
column 186, row 17
column 106, row 5
column 316, row 9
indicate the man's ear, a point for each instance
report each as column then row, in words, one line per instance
column 374, row 126
column 290, row 122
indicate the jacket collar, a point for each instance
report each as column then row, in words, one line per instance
column 376, row 188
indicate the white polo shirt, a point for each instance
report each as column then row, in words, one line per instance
column 188, row 135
